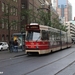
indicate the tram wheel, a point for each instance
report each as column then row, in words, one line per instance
column 29, row 54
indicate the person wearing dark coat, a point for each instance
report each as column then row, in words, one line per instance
column 11, row 45
column 15, row 43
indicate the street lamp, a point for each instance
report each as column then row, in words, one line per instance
column 8, row 26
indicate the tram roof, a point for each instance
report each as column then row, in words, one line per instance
column 43, row 27
column 48, row 28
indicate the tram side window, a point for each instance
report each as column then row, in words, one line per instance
column 64, row 38
column 50, row 37
column 58, row 37
column 45, row 35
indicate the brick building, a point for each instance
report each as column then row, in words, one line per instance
column 15, row 9
column 38, row 4
column 34, row 5
column 9, row 18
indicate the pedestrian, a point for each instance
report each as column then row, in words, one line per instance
column 73, row 41
column 15, row 43
column 11, row 45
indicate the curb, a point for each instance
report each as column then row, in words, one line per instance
column 19, row 55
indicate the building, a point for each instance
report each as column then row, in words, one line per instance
column 54, row 18
column 13, row 18
column 36, row 6
column 71, row 28
column 9, row 18
column 63, row 8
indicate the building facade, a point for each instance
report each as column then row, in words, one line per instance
column 9, row 18
column 54, row 17
column 36, row 6
column 71, row 28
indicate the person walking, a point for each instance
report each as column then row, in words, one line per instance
column 11, row 45
column 15, row 46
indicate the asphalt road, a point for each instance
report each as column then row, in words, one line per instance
column 58, row 63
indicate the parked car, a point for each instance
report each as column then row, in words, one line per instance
column 3, row 46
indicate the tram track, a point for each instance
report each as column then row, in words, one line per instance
column 64, row 68
column 37, row 68
column 13, row 59
column 50, row 64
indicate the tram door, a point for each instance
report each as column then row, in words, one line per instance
column 20, row 37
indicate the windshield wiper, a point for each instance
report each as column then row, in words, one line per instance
column 38, row 38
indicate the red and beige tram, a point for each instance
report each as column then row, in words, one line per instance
column 44, row 39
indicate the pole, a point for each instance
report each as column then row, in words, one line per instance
column 50, row 13
column 8, row 27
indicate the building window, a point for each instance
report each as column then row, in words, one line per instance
column 23, row 6
column 65, row 5
column 6, row 25
column 23, row 17
column 16, row 27
column 16, row 12
column 14, row 0
column 2, row 23
column 6, row 8
column 58, row 6
column 13, row 11
column 3, row 37
column 3, row 7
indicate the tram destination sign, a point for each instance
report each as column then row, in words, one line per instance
column 32, row 27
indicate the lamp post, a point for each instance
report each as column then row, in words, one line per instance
column 50, row 13
column 8, row 26
column 22, row 39
column 49, row 10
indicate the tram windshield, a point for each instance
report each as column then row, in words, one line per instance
column 35, row 36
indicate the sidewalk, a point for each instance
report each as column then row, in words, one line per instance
column 7, row 54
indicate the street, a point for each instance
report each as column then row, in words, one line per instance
column 57, row 63
column 37, row 27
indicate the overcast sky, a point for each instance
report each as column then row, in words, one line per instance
column 73, row 8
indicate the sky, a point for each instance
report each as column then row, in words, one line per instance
column 73, row 7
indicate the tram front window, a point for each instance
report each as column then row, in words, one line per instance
column 35, row 36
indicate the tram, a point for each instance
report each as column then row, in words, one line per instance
column 43, row 39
